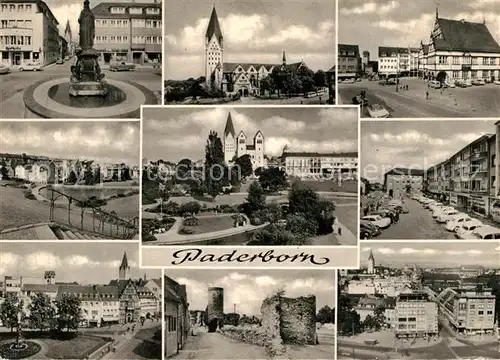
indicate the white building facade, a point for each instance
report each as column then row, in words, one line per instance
column 28, row 33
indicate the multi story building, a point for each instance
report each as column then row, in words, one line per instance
column 437, row 180
column 468, row 311
column 414, row 60
column 176, row 316
column 365, row 60
column 348, row 62
column 311, row 165
column 63, row 47
column 237, row 146
column 28, row 33
column 423, row 72
column 459, row 49
column 394, row 61
column 415, row 315
column 129, row 30
column 403, row 182
column 470, row 176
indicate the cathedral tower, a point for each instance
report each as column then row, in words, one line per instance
column 214, row 50
column 229, row 140
column 124, row 268
column 258, row 144
column 371, row 263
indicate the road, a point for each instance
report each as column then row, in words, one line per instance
column 215, row 346
column 417, row 224
column 13, row 85
column 477, row 101
column 137, row 347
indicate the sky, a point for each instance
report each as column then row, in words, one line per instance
column 374, row 23
column 414, row 144
column 433, row 253
column 108, row 141
column 255, row 31
column 247, row 289
column 85, row 263
column 176, row 133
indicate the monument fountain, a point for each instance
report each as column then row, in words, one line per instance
column 86, row 94
column 20, row 348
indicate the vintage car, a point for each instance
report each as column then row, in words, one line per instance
column 4, row 69
column 30, row 67
column 121, row 66
column 377, row 111
column 367, row 230
column 378, row 221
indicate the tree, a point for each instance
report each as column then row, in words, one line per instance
column 41, row 312
column 68, row 310
column 256, row 200
column 319, row 78
column 244, row 163
column 267, row 84
column 88, row 175
column 325, row 315
column 183, row 169
column 214, row 165
column 9, row 311
column 299, row 224
column 232, row 319
column 348, row 319
column 72, row 178
column 4, row 171
column 192, row 207
column 273, row 179
column 258, row 171
column 97, row 177
column 303, row 199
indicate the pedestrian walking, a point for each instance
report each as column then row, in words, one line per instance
column 340, row 230
column 427, row 95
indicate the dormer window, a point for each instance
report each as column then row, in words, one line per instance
column 135, row 10
column 153, row 11
column 117, row 10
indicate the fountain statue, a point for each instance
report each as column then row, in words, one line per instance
column 86, row 77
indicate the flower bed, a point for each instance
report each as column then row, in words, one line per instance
column 29, row 349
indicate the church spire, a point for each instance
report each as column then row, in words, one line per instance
column 124, row 264
column 284, row 58
column 371, row 257
column 214, row 26
column 437, row 10
column 229, row 129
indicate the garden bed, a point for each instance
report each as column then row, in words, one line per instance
column 79, row 347
column 210, row 224
column 30, row 348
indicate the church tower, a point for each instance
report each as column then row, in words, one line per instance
column 229, row 140
column 214, row 51
column 371, row 263
column 68, row 36
column 242, row 144
column 124, row 268
column 258, row 142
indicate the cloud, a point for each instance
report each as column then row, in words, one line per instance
column 68, row 12
column 385, row 251
column 425, row 251
column 8, row 261
column 370, row 8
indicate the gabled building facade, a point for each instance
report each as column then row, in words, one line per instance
column 176, row 316
column 461, row 50
column 349, row 65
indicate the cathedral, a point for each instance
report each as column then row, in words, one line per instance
column 235, row 78
column 236, row 146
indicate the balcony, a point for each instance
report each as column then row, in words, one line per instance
column 478, row 170
column 479, row 155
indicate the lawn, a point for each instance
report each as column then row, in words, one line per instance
column 332, row 185
column 77, row 348
column 210, row 224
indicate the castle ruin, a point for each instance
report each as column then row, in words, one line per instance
column 215, row 308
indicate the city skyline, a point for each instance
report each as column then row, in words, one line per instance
column 108, row 142
column 437, row 254
column 416, row 145
column 404, row 23
column 182, row 133
column 305, row 30
column 85, row 263
column 247, row 289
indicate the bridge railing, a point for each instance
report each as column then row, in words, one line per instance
column 81, row 215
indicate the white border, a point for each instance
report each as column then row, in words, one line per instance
column 163, row 52
column 337, row 55
column 162, row 312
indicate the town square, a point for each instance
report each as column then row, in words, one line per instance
column 79, row 59
column 419, row 59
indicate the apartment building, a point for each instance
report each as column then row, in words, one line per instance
column 416, row 315
column 438, row 180
column 400, row 182
column 348, row 62
column 320, row 165
column 129, row 31
column 28, row 33
column 394, row 61
column 468, row 311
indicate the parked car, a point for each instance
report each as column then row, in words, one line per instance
column 435, row 84
column 30, row 67
column 348, row 81
column 359, row 100
column 428, row 204
column 391, row 81
column 461, row 83
column 485, row 232
column 449, row 84
column 496, row 82
column 378, row 221
column 378, row 111
column 4, row 69
column 457, row 221
column 121, row 66
column 441, row 211
column 402, row 209
column 478, row 82
column 467, row 228
column 367, row 230
column 387, row 213
column 60, row 61
column 446, row 215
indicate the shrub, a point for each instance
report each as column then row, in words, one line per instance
column 192, row 221
column 273, row 235
column 186, row 231
column 29, row 195
column 91, row 202
column 148, row 237
column 192, row 207
column 299, row 224
column 256, row 221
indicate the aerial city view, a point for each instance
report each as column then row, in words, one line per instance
column 87, row 301
column 250, row 176
column 79, row 59
column 430, row 180
column 226, row 315
column 249, row 52
column 419, row 59
column 69, row 180
column 420, row 301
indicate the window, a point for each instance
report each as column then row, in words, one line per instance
column 153, row 11
column 135, row 10
column 117, row 10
